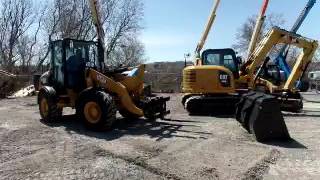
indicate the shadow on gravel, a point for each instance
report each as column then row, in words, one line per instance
column 216, row 115
column 291, row 144
column 304, row 114
column 123, row 127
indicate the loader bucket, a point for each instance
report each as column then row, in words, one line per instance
column 261, row 115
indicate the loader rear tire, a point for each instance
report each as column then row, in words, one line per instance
column 97, row 110
column 49, row 111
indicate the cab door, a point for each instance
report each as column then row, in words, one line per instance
column 57, row 64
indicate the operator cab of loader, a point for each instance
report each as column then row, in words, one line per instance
column 69, row 59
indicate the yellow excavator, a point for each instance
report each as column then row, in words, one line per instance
column 210, row 86
column 215, row 83
column 79, row 79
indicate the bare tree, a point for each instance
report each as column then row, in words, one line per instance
column 72, row 19
column 27, row 28
column 130, row 52
column 16, row 19
column 245, row 32
column 28, row 45
column 124, row 20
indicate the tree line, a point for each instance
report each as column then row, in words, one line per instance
column 27, row 26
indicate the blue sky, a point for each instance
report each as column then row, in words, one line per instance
column 173, row 27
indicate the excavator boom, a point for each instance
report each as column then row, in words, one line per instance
column 259, row 111
column 280, row 36
column 208, row 28
column 94, row 6
column 258, row 27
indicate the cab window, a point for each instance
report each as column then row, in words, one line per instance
column 212, row 59
column 228, row 62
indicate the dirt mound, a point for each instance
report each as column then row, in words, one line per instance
column 10, row 83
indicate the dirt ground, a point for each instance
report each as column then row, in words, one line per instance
column 181, row 147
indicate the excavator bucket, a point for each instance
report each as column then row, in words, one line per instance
column 260, row 115
column 244, row 108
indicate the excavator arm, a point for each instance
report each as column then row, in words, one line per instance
column 258, row 27
column 279, row 36
column 208, row 27
column 259, row 111
column 281, row 58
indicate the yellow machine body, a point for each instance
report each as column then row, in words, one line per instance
column 205, row 80
column 128, row 89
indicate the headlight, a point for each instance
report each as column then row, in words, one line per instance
column 225, row 79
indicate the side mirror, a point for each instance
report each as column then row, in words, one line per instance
column 186, row 56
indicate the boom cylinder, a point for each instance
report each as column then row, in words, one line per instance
column 258, row 27
column 208, row 27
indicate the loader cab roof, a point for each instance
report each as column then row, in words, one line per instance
column 221, row 57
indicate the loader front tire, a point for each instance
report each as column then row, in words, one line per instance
column 97, row 110
column 49, row 110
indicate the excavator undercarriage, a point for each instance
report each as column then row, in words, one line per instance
column 211, row 104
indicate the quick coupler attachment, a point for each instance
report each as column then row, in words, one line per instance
column 260, row 114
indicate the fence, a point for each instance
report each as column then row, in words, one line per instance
column 164, row 82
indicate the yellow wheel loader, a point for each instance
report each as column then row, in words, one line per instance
column 77, row 79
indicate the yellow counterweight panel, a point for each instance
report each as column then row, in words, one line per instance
column 115, row 87
column 205, row 80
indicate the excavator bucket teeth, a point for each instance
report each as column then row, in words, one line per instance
column 260, row 114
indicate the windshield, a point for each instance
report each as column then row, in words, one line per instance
column 83, row 51
column 220, row 58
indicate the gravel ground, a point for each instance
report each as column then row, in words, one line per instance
column 181, row 147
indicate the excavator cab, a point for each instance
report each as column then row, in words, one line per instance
column 222, row 57
column 209, row 85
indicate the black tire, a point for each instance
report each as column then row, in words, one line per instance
column 106, row 106
column 184, row 99
column 49, row 110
